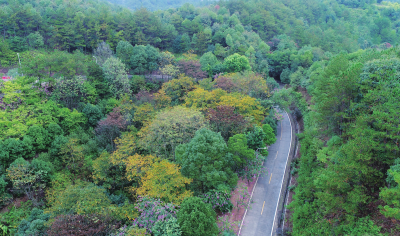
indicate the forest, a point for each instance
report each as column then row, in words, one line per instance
column 142, row 117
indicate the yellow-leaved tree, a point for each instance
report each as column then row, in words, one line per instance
column 244, row 105
column 169, row 129
column 157, row 178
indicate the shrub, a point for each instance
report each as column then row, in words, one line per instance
column 82, row 225
column 35, row 224
column 196, row 217
column 152, row 211
column 167, row 228
column 219, row 200
column 93, row 114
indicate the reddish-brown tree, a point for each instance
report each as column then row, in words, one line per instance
column 224, row 119
column 192, row 69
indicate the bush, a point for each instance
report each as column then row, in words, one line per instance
column 82, row 225
column 219, row 200
column 93, row 114
column 167, row 228
column 152, row 211
column 40, row 138
column 137, row 83
column 255, row 138
column 35, row 224
column 285, row 76
column 196, row 217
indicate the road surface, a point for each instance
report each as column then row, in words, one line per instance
column 259, row 219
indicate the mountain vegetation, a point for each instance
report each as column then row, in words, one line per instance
column 141, row 120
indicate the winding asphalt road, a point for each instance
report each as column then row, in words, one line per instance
column 259, row 219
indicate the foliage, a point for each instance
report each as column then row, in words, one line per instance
column 102, row 53
column 224, row 120
column 70, row 92
column 93, row 114
column 241, row 153
column 168, row 227
column 81, row 225
column 208, row 61
column 116, row 76
column 124, row 51
column 192, row 69
column 144, row 59
column 269, row 138
column 152, row 211
column 219, row 200
column 226, row 227
column 256, row 137
column 171, row 128
column 35, row 224
column 196, row 217
column 205, row 160
column 15, row 215
column 157, row 178
column 109, row 129
column 27, row 180
column 236, row 63
column 177, row 89
column 82, row 198
column 391, row 197
column 243, row 104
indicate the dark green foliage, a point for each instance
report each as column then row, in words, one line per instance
column 34, row 224
column 197, row 218
column 93, row 114
column 40, row 137
column 5, row 197
column 255, row 138
column 97, row 80
column 205, row 160
column 55, row 149
column 7, row 56
column 54, row 130
column 144, row 59
column 124, row 51
column 242, row 154
column 394, row 168
column 138, row 83
column 284, row 77
column 44, row 166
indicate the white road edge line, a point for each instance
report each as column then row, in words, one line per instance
column 251, row 196
column 291, row 131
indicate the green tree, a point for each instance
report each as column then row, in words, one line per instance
column 237, row 145
column 102, row 53
column 196, row 217
column 205, row 160
column 236, row 63
column 208, row 61
column 144, row 59
column 171, row 128
column 35, row 224
column 124, row 51
column 117, row 78
column 26, row 180
column 93, row 114
column 250, row 54
column 269, row 135
column 35, row 40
